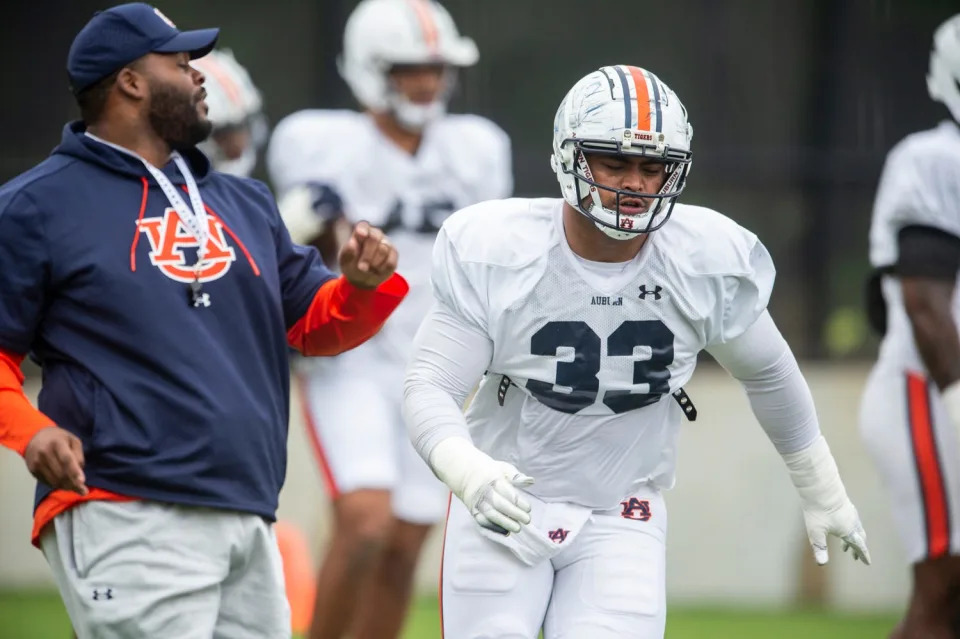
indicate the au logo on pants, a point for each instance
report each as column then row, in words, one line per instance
column 638, row 509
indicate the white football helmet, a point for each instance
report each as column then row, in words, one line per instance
column 621, row 110
column 383, row 33
column 943, row 80
column 234, row 102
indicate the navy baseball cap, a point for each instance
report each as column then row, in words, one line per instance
column 118, row 36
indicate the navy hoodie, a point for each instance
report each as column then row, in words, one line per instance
column 172, row 403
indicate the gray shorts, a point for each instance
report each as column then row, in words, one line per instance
column 136, row 569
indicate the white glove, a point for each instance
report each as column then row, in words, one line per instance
column 826, row 507
column 484, row 485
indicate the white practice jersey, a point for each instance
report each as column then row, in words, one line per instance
column 593, row 357
column 920, row 185
column 462, row 160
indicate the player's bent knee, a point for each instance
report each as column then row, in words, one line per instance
column 364, row 518
column 371, row 531
column 400, row 561
column 407, row 540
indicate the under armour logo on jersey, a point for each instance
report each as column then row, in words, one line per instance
column 655, row 292
column 102, row 594
column 169, row 237
column 637, row 509
column 558, row 536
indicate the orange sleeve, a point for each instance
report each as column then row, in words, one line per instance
column 343, row 316
column 19, row 420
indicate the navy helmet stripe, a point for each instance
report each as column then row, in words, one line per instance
column 627, row 99
column 654, row 81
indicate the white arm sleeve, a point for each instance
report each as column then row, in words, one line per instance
column 449, row 356
column 779, row 396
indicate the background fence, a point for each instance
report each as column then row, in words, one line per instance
column 794, row 105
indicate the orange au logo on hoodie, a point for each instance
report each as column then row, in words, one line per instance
column 168, row 237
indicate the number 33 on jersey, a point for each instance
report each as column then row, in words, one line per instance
column 595, row 339
column 594, row 347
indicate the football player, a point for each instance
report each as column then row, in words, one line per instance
column 404, row 163
column 584, row 317
column 910, row 411
column 239, row 126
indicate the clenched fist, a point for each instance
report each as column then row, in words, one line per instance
column 55, row 457
column 367, row 258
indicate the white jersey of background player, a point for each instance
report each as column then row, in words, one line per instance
column 405, row 165
column 594, row 307
column 236, row 111
column 911, row 406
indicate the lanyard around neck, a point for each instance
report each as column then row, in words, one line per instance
column 196, row 219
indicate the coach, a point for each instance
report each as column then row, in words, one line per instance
column 160, row 298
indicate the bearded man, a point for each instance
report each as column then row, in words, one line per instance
column 160, row 297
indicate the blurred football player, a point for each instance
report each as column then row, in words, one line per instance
column 584, row 317
column 239, row 126
column 406, row 164
column 910, row 411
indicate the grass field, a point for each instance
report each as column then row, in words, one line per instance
column 34, row 615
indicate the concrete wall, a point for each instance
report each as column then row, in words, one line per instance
column 736, row 533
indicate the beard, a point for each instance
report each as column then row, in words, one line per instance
column 175, row 118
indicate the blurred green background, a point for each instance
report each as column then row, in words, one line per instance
column 38, row 615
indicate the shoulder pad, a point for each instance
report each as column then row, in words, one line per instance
column 509, row 233
column 705, row 242
column 474, row 132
